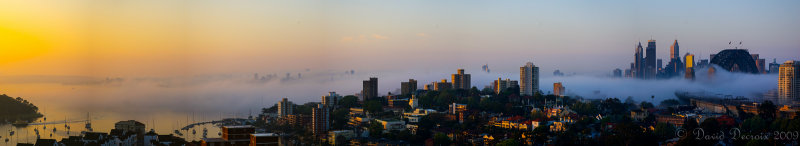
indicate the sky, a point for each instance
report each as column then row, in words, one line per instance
column 186, row 42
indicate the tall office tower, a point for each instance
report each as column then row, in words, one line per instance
column 628, row 73
column 638, row 64
column 370, row 89
column 788, row 82
column 558, row 89
column 443, row 85
column 674, row 50
column 529, row 76
column 409, row 87
column 759, row 63
column 658, row 65
column 331, row 99
column 617, row 73
column 461, row 80
column 285, row 107
column 501, row 85
column 774, row 67
column 689, row 59
column 321, row 119
column 650, row 60
column 689, row 73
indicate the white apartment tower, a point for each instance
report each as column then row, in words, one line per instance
column 529, row 79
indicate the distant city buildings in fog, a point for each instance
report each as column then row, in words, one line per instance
column 617, row 73
column 558, row 73
column 732, row 60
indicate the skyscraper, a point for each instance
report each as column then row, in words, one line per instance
column 370, row 89
column 529, row 76
column 759, row 63
column 461, row 80
column 558, row 89
column 638, row 64
column 650, row 60
column 689, row 59
column 617, row 73
column 674, row 50
column 285, row 107
column 788, row 82
column 774, row 67
column 321, row 119
column 409, row 87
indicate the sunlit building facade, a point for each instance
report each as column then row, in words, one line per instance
column 529, row 79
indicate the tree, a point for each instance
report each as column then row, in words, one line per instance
column 767, row 110
column 664, row 131
column 508, row 142
column 754, row 124
column 339, row 118
column 646, row 105
column 441, row 140
column 375, row 129
column 373, row 106
column 670, row 102
column 348, row 101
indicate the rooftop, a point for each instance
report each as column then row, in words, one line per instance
column 264, row 134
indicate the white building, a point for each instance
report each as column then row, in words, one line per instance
column 529, row 79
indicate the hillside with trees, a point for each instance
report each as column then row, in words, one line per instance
column 14, row 109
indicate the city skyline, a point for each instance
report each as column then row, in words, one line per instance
column 413, row 72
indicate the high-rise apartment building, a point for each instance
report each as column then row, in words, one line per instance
column 321, row 119
column 788, row 82
column 443, row 85
column 529, row 79
column 501, row 85
column 558, row 89
column 285, row 107
column 461, row 80
column 331, row 99
column 409, row 87
column 370, row 89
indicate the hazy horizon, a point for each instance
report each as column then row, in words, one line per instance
column 208, row 50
